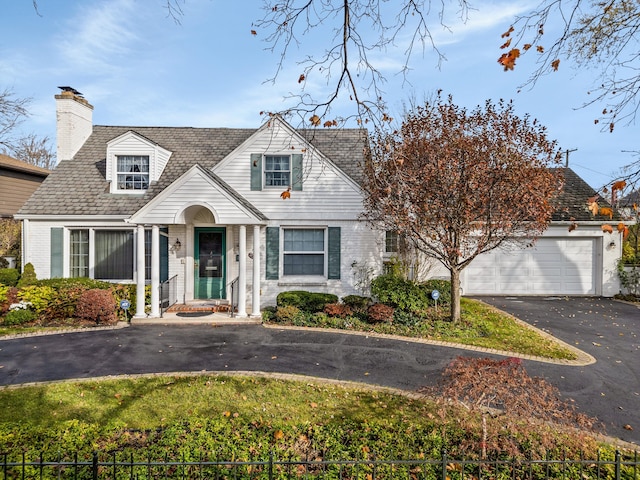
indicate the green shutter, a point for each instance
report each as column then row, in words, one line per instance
column 334, row 253
column 272, row 260
column 57, row 257
column 296, row 171
column 256, row 171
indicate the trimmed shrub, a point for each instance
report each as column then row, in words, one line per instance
column 337, row 310
column 9, row 276
column 379, row 312
column 28, row 276
column 308, row 301
column 400, row 293
column 98, row 306
column 19, row 317
column 356, row 302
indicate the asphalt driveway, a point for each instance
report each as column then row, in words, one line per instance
column 608, row 389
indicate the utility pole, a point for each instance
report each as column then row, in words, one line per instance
column 567, row 152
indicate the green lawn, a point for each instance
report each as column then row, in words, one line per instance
column 248, row 417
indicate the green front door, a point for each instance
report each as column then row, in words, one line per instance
column 210, row 263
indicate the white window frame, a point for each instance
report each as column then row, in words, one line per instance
column 124, row 173
column 265, row 171
column 324, row 252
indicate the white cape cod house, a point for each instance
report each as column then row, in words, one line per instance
column 203, row 205
column 207, row 208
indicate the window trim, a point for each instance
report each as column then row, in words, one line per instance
column 325, row 253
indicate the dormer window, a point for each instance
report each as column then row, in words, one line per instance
column 132, row 172
column 134, row 163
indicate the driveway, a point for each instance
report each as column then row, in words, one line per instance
column 608, row 389
column 608, row 330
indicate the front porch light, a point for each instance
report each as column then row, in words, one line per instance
column 177, row 246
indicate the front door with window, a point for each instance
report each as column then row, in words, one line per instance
column 209, row 263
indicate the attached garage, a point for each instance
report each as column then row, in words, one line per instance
column 553, row 266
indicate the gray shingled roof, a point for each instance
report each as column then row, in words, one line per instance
column 571, row 203
column 79, row 187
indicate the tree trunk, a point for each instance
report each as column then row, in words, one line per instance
column 455, row 295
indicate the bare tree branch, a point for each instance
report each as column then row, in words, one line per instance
column 13, row 111
column 360, row 28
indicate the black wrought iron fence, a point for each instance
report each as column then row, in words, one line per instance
column 119, row 466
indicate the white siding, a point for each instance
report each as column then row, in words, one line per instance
column 194, row 190
column 327, row 194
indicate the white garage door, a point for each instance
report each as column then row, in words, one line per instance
column 552, row 267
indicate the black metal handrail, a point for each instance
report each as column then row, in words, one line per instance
column 233, row 286
column 168, row 293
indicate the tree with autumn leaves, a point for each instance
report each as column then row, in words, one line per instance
column 459, row 183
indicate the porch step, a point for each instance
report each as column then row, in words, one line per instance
column 201, row 306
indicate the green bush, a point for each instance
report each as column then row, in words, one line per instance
column 356, row 302
column 400, row 293
column 19, row 317
column 443, row 286
column 39, row 296
column 269, row 313
column 28, row 276
column 308, row 301
column 9, row 276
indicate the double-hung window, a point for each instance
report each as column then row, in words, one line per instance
column 132, row 172
column 304, row 251
column 391, row 242
column 277, row 170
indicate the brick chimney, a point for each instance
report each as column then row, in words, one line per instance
column 74, row 122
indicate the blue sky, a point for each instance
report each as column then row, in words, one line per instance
column 136, row 66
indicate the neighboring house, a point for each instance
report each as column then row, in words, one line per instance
column 205, row 208
column 18, row 180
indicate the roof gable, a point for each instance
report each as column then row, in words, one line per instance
column 226, row 205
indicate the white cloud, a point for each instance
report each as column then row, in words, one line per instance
column 99, row 36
